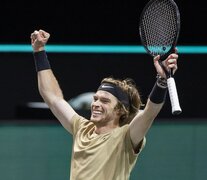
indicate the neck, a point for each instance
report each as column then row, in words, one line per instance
column 105, row 129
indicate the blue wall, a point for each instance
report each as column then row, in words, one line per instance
column 174, row 150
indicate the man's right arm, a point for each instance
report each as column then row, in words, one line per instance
column 53, row 97
column 47, row 84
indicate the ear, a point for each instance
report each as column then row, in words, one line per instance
column 120, row 111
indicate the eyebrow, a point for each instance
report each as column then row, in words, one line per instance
column 101, row 97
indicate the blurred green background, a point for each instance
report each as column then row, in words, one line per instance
column 175, row 150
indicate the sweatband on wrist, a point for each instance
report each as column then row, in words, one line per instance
column 158, row 94
column 41, row 61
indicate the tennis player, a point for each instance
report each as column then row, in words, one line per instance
column 107, row 146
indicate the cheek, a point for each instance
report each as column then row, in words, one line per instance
column 112, row 110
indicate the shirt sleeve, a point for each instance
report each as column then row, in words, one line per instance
column 134, row 152
column 77, row 120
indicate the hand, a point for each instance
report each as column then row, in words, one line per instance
column 39, row 39
column 169, row 63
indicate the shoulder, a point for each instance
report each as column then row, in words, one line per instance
column 78, row 122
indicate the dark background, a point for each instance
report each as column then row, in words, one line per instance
column 96, row 22
column 92, row 22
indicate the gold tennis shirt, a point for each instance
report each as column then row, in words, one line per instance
column 107, row 156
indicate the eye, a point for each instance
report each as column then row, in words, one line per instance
column 95, row 98
column 105, row 101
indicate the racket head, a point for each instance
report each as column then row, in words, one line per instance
column 159, row 27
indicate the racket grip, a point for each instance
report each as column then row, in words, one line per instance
column 173, row 96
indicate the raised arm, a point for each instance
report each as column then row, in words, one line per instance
column 47, row 84
column 143, row 120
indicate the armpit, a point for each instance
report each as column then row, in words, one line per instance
column 140, row 146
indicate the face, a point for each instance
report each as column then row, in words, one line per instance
column 103, row 108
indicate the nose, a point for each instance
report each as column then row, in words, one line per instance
column 95, row 103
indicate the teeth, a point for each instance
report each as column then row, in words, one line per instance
column 96, row 112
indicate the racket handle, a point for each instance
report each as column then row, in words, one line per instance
column 173, row 96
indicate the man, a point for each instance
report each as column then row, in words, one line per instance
column 107, row 146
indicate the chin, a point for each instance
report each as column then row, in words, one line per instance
column 95, row 119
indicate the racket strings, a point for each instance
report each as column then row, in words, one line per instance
column 159, row 27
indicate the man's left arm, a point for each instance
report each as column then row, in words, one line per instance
column 144, row 119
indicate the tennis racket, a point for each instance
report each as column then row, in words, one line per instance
column 159, row 29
